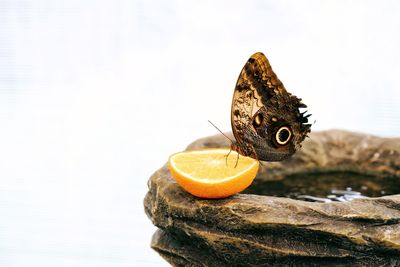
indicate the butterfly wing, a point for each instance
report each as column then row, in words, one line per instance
column 264, row 114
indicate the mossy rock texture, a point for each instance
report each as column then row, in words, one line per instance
column 261, row 227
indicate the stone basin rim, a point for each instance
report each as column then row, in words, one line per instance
column 171, row 180
column 314, row 157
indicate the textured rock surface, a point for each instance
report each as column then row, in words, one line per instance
column 249, row 229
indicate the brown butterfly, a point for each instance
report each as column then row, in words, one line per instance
column 266, row 120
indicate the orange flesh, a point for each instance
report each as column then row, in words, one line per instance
column 210, row 174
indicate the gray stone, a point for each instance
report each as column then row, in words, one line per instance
column 261, row 228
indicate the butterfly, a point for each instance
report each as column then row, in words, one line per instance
column 266, row 120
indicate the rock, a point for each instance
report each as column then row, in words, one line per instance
column 260, row 229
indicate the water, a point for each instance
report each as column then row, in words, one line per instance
column 327, row 187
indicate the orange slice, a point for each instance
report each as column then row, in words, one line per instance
column 209, row 173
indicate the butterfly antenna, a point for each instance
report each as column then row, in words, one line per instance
column 220, row 131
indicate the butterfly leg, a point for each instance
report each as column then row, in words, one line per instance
column 254, row 155
column 226, row 156
column 237, row 160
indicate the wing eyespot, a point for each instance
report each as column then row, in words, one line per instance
column 283, row 135
column 257, row 120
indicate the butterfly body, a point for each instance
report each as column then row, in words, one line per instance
column 266, row 120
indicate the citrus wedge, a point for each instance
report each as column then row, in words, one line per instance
column 211, row 173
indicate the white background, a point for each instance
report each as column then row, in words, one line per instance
column 94, row 96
